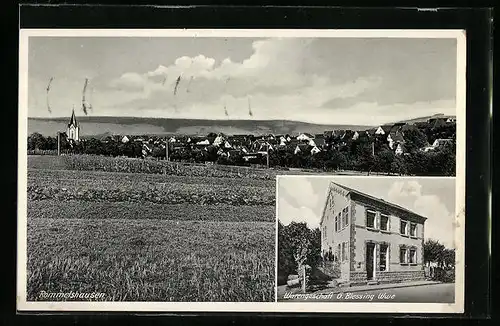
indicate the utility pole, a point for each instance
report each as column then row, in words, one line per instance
column 304, row 286
column 267, row 156
column 58, row 143
column 166, row 149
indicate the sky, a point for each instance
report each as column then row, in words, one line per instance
column 363, row 81
column 301, row 199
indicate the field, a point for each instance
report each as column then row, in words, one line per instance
column 147, row 236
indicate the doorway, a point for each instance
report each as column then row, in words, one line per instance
column 370, row 249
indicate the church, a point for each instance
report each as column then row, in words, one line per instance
column 73, row 130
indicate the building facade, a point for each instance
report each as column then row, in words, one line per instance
column 373, row 241
column 73, row 130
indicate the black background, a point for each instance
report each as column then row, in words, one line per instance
column 478, row 25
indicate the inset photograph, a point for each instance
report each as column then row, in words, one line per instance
column 359, row 239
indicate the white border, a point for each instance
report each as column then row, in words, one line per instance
column 23, row 305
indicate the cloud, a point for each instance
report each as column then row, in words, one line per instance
column 320, row 80
column 271, row 77
column 298, row 201
column 129, row 81
column 440, row 221
column 289, row 213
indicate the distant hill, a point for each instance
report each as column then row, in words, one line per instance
column 91, row 126
column 424, row 119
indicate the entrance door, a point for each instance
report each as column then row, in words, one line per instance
column 370, row 248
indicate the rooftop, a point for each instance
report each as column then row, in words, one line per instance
column 361, row 194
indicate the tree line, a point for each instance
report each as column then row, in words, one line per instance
column 363, row 154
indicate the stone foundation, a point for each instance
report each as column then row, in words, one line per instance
column 400, row 276
column 358, row 278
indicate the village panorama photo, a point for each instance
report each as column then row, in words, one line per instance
column 148, row 159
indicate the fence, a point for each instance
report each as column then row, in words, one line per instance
column 42, row 152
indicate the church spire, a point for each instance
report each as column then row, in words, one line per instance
column 73, row 119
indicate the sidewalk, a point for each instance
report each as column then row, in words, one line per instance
column 282, row 289
column 376, row 287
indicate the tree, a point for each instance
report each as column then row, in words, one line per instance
column 399, row 166
column 364, row 158
column 297, row 245
column 433, row 251
column 335, row 160
column 448, row 257
column 383, row 160
column 37, row 141
column 158, row 152
column 414, row 140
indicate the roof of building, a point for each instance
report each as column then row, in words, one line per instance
column 442, row 141
column 396, row 137
column 319, row 141
column 73, row 121
column 380, row 200
column 386, row 128
column 308, row 135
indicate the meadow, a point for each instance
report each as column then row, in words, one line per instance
column 148, row 236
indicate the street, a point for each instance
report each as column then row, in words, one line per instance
column 436, row 293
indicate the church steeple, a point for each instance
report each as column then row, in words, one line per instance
column 73, row 128
column 72, row 121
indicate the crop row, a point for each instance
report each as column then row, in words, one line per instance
column 77, row 209
column 130, row 165
column 118, row 177
column 156, row 193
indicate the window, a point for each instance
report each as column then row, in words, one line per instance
column 403, row 226
column 384, row 222
column 413, row 256
column 383, row 257
column 370, row 219
column 413, row 229
column 344, row 249
column 402, row 255
column 339, row 216
column 345, row 217
column 336, row 225
column 338, row 252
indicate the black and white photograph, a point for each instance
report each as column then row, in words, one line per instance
column 149, row 159
column 378, row 239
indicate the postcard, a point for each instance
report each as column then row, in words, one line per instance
column 158, row 170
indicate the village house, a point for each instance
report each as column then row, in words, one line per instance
column 261, row 145
column 373, row 241
column 319, row 142
column 384, row 129
column 283, row 141
column 305, row 137
column 400, row 149
column 219, row 140
column 204, row 142
column 395, row 138
column 438, row 143
column 315, row 150
column 302, row 148
column 365, row 135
